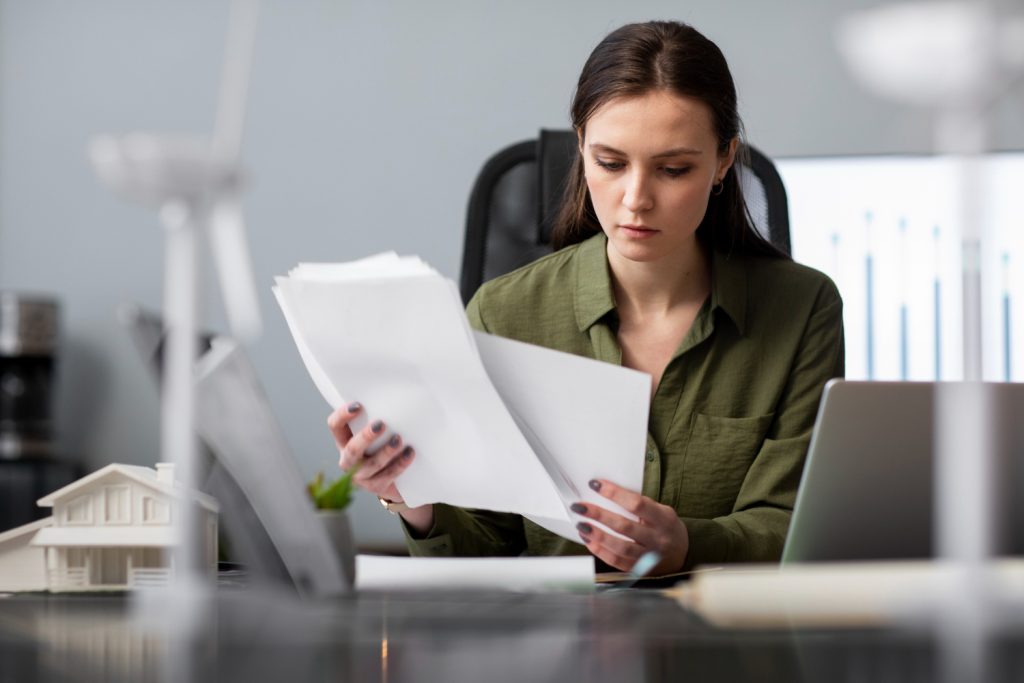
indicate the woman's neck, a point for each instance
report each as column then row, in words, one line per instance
column 657, row 288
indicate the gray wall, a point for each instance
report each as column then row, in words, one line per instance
column 367, row 123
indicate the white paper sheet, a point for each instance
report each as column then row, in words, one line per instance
column 497, row 424
column 401, row 346
column 589, row 415
column 505, row 573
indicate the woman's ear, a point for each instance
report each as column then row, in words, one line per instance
column 726, row 160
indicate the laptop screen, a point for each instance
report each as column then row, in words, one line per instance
column 867, row 488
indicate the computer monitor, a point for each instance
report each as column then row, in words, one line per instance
column 867, row 488
column 887, row 229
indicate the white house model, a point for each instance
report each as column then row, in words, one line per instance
column 110, row 530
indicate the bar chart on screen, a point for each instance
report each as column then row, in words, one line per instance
column 887, row 230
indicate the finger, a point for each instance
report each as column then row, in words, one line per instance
column 645, row 535
column 381, row 458
column 384, row 480
column 355, row 450
column 613, row 551
column 630, row 501
column 338, row 421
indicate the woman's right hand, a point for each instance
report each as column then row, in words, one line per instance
column 377, row 471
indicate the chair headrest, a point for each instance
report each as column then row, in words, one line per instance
column 556, row 150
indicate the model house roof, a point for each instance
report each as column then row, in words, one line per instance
column 25, row 529
column 143, row 475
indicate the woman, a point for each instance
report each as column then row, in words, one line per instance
column 658, row 268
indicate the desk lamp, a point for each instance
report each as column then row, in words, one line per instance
column 195, row 184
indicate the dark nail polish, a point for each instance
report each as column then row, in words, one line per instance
column 584, row 528
column 407, row 452
column 355, row 407
column 595, row 484
column 394, row 441
column 377, row 427
column 578, row 508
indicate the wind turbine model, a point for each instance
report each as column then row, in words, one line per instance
column 195, row 183
column 955, row 58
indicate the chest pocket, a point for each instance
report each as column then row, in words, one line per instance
column 717, row 457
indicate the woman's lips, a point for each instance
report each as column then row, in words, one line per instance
column 638, row 231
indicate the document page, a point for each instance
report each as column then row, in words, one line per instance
column 497, row 424
column 587, row 416
column 399, row 343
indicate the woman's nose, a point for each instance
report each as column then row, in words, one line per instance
column 637, row 196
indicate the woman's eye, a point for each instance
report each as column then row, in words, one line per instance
column 609, row 165
column 675, row 172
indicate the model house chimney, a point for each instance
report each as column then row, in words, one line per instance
column 165, row 472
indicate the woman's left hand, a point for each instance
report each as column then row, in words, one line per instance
column 657, row 528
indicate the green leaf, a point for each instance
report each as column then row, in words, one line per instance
column 337, row 496
column 316, row 486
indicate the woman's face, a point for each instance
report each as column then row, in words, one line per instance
column 650, row 163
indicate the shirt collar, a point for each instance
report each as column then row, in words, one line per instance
column 594, row 298
column 729, row 286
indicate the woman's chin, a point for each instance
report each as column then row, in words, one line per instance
column 638, row 251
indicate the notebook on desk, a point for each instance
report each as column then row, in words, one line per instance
column 867, row 488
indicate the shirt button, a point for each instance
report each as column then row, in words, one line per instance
column 650, row 455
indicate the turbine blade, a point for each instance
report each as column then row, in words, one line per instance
column 234, row 268
column 234, row 85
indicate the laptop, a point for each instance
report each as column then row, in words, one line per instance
column 867, row 488
column 271, row 524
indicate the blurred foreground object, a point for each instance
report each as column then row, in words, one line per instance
column 194, row 183
column 934, row 54
column 958, row 59
column 832, row 595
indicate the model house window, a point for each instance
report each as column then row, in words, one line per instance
column 116, row 506
column 79, row 511
column 155, row 511
column 76, row 557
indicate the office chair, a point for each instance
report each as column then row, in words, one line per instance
column 517, row 193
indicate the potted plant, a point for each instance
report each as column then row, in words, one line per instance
column 330, row 502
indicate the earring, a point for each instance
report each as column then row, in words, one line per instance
column 717, row 188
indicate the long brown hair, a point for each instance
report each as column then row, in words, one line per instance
column 662, row 55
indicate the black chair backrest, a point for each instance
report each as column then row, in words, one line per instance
column 518, row 191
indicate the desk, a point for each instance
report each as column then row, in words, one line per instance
column 492, row 637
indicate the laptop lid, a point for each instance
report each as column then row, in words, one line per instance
column 867, row 488
column 272, row 525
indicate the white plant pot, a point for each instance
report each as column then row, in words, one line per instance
column 339, row 530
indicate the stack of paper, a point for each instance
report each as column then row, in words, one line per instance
column 497, row 424
column 475, row 573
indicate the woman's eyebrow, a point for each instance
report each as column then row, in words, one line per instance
column 675, row 151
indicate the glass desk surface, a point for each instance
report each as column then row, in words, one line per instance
column 632, row 635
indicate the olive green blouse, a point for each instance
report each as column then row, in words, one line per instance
column 730, row 420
